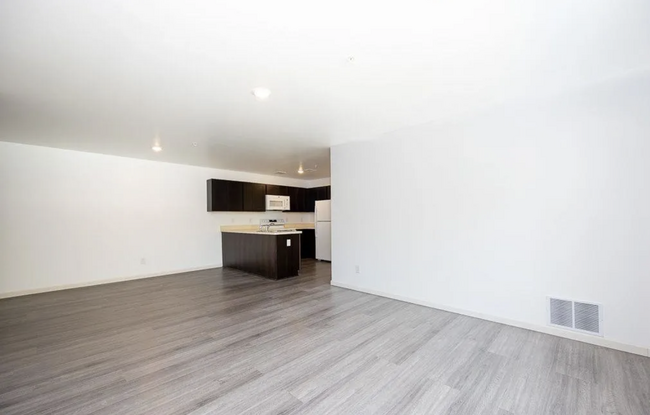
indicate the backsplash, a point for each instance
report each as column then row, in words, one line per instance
column 253, row 218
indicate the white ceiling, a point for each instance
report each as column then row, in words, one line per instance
column 105, row 76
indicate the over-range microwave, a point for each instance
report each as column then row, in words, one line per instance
column 277, row 202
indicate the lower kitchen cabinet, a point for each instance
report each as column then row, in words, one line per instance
column 267, row 255
column 308, row 243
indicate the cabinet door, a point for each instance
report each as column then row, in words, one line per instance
column 254, row 197
column 272, row 189
column 302, row 200
column 310, row 199
column 224, row 196
column 308, row 243
column 217, row 189
column 235, row 196
column 322, row 193
column 297, row 195
column 293, row 195
column 288, row 251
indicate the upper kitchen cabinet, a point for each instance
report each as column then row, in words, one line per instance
column 254, row 197
column 310, row 199
column 298, row 199
column 232, row 196
column 314, row 194
column 225, row 196
column 275, row 190
column 323, row 193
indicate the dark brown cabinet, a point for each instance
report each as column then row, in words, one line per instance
column 298, row 199
column 288, row 255
column 322, row 193
column 308, row 243
column 272, row 189
column 254, row 197
column 271, row 256
column 310, row 200
column 314, row 194
column 232, row 196
column 225, row 196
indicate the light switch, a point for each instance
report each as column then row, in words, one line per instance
column 288, row 242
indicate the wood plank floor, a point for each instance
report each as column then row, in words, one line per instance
column 224, row 342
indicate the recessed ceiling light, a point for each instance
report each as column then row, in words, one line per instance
column 156, row 144
column 195, row 144
column 261, row 93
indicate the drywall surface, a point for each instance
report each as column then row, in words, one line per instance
column 491, row 214
column 71, row 218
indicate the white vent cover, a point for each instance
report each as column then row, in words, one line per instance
column 575, row 315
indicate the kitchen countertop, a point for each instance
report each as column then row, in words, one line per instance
column 292, row 232
column 254, row 228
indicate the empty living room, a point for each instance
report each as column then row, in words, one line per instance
column 345, row 207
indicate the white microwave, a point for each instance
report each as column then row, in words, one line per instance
column 277, row 202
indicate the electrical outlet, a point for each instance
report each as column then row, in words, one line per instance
column 143, row 261
column 356, row 269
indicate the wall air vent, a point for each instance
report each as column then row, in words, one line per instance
column 561, row 313
column 575, row 315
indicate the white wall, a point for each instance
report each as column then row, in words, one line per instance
column 491, row 214
column 319, row 182
column 74, row 218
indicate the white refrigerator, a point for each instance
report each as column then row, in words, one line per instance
column 323, row 214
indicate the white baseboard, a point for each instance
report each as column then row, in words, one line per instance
column 598, row 341
column 101, row 282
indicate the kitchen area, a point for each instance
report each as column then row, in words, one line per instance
column 273, row 247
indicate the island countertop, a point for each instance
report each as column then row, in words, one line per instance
column 298, row 226
column 295, row 228
column 288, row 232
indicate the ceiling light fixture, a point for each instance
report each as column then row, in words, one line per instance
column 156, row 144
column 308, row 170
column 300, row 170
column 261, row 93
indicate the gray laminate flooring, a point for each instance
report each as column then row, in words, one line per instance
column 225, row 342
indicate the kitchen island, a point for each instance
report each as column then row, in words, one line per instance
column 273, row 255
